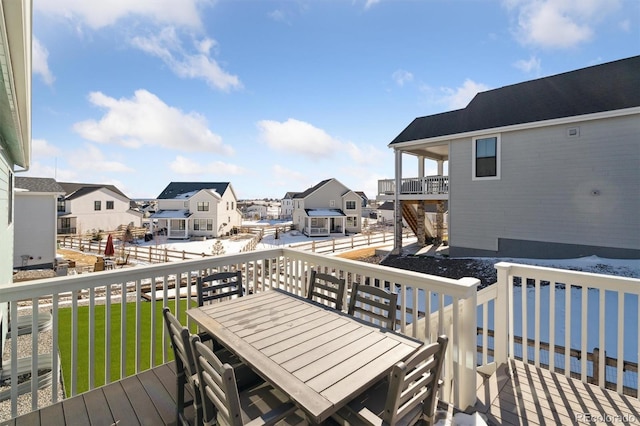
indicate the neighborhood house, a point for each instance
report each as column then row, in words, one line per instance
column 326, row 208
column 546, row 168
column 196, row 209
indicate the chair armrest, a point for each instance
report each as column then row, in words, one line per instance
column 275, row 415
column 347, row 415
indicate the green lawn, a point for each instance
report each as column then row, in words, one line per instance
column 82, row 368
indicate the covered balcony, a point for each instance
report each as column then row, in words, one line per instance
column 509, row 356
column 416, row 188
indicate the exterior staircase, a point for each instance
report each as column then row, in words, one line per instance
column 410, row 216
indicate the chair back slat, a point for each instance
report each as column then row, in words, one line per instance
column 218, row 383
column 219, row 285
column 415, row 382
column 326, row 289
column 374, row 304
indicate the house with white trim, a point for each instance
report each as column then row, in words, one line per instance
column 286, row 205
column 35, row 232
column 547, row 168
column 327, row 208
column 197, row 209
column 88, row 207
column 15, row 128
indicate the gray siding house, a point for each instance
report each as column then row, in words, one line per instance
column 548, row 168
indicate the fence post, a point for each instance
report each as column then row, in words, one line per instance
column 333, row 245
column 183, row 255
column 313, row 246
column 149, row 254
column 501, row 311
column 467, row 351
column 596, row 366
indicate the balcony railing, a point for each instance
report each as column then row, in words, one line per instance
column 485, row 327
column 282, row 268
column 427, row 185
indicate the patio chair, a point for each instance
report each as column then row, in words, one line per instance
column 223, row 403
column 374, row 304
column 218, row 286
column 326, row 289
column 185, row 367
column 406, row 397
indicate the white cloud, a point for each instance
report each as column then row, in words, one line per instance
column 370, row 3
column 145, row 120
column 298, row 137
column 198, row 63
column 39, row 61
column 532, row 65
column 186, row 166
column 401, row 77
column 98, row 14
column 91, row 158
column 40, row 148
column 364, row 155
column 461, row 96
column 559, row 23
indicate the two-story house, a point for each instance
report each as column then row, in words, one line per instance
column 197, row 209
column 326, row 208
column 15, row 128
column 35, row 232
column 547, row 168
column 87, row 206
column 286, row 205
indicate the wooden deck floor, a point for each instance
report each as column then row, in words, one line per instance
column 148, row 398
column 521, row 394
column 517, row 394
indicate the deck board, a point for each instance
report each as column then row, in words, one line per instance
column 520, row 394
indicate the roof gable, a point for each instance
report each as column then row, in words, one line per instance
column 176, row 189
column 75, row 190
column 311, row 190
column 600, row 88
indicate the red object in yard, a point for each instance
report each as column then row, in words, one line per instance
column 108, row 249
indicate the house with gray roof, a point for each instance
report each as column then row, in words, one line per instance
column 327, row 208
column 547, row 168
column 88, row 207
column 34, row 240
column 197, row 209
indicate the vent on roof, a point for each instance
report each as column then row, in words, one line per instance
column 573, row 132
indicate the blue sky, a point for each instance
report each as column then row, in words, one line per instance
column 275, row 96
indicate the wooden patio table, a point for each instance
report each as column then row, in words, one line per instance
column 319, row 357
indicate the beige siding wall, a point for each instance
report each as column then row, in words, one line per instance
column 88, row 218
column 35, row 229
column 583, row 190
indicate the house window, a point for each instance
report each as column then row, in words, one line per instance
column 486, row 158
column 109, row 205
column 232, row 205
column 203, row 206
column 97, row 205
column 61, row 205
column 203, row 224
column 352, row 221
column 186, row 204
column 351, row 205
column 227, row 205
column 65, row 225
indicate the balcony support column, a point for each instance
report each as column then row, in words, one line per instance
column 397, row 207
column 439, row 222
column 440, row 167
column 422, row 237
column 420, row 166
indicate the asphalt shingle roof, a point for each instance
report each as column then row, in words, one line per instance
column 75, row 190
column 35, row 184
column 174, row 189
column 600, row 88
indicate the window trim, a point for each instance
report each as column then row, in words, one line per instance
column 109, row 203
column 473, row 158
column 355, row 205
column 97, row 206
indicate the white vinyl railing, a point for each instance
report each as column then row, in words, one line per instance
column 427, row 185
column 584, row 325
column 282, row 268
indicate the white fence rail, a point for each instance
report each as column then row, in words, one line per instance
column 417, row 186
column 584, row 325
column 284, row 268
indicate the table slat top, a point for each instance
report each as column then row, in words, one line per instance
column 320, row 357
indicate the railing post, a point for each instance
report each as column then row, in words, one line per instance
column 501, row 312
column 467, row 351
